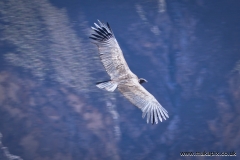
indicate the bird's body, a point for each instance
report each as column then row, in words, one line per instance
column 122, row 77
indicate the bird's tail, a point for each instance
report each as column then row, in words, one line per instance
column 107, row 85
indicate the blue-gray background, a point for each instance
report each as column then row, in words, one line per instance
column 50, row 109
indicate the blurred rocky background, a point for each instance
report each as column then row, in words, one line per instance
column 50, row 109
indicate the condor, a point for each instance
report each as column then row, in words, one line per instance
column 122, row 77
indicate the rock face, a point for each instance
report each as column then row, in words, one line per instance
column 51, row 109
column 52, row 122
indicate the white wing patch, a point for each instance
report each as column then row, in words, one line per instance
column 110, row 52
column 145, row 101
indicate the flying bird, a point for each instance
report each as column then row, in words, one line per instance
column 122, row 77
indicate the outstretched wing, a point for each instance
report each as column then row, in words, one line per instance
column 110, row 53
column 145, row 101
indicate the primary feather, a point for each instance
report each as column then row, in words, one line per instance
column 121, row 76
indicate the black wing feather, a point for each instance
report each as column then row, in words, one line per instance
column 102, row 33
column 97, row 36
column 109, row 27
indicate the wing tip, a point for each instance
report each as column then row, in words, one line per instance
column 103, row 32
column 154, row 113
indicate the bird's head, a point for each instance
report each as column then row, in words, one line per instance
column 141, row 80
